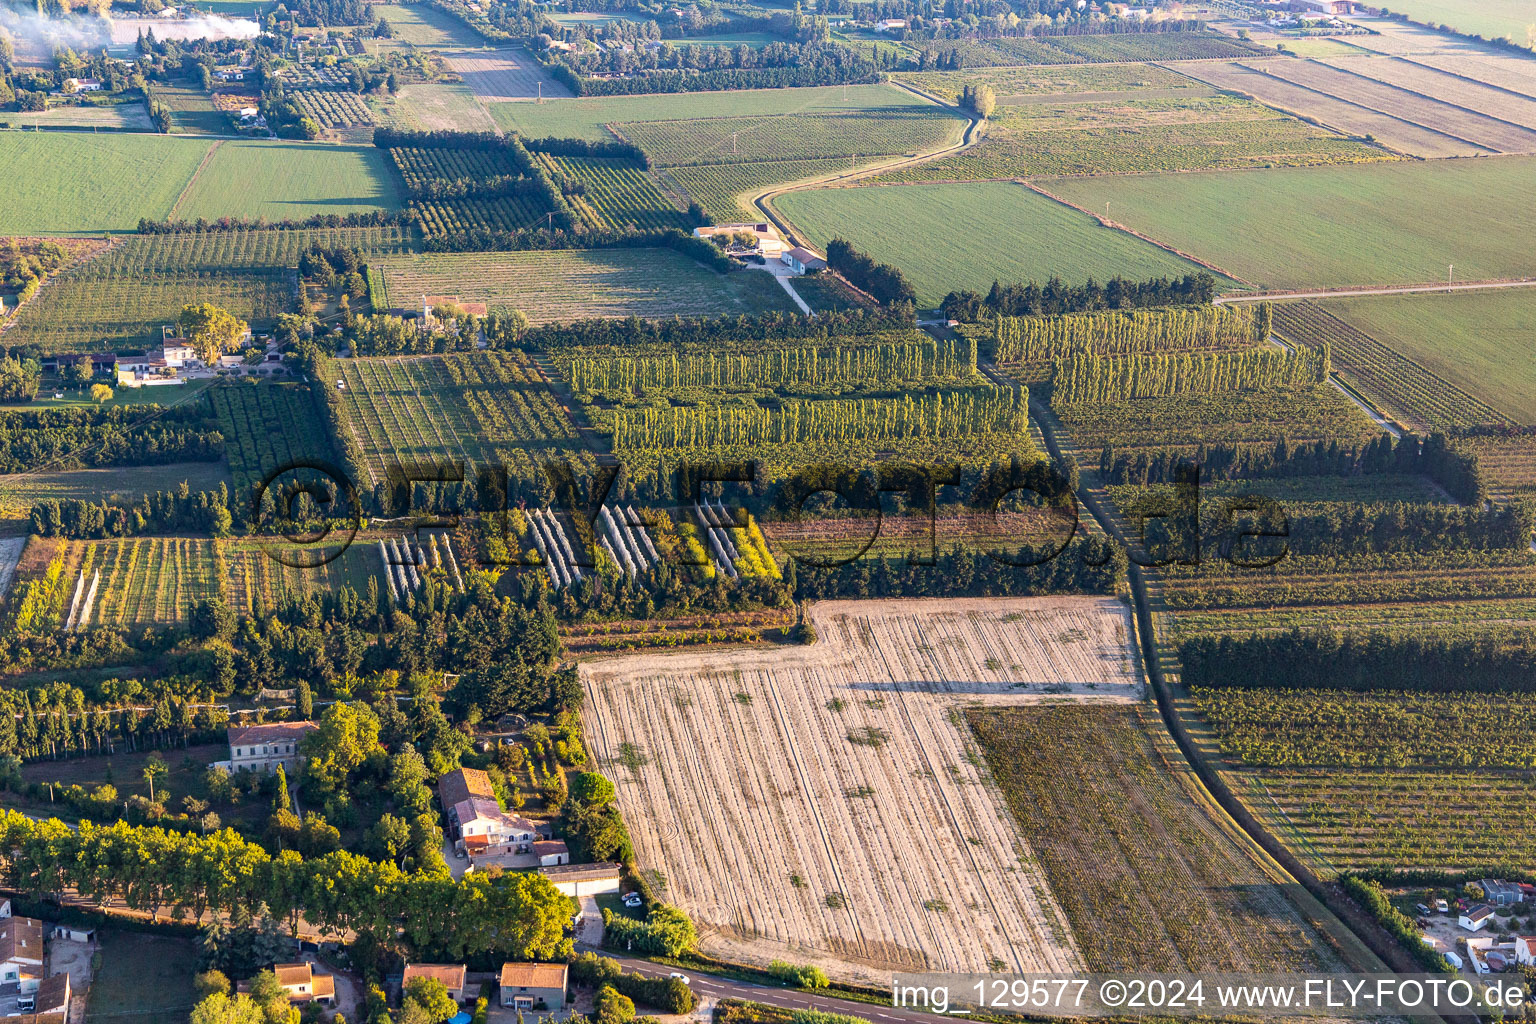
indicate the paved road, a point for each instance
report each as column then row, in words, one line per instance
column 1406, row 289
column 709, row 986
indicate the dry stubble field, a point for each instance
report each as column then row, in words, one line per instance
column 828, row 804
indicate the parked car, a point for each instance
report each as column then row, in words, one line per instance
column 1442, row 906
column 681, row 977
column 1421, row 908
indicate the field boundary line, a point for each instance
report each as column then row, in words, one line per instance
column 1426, row 96
column 196, row 173
column 1374, row 110
column 1406, row 59
column 1117, row 226
column 1351, row 291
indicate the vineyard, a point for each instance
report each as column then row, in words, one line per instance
column 730, row 140
column 257, row 581
column 857, row 748
column 617, row 193
column 1149, row 46
column 480, row 410
column 123, row 296
column 1509, row 462
column 1391, row 379
column 333, row 108
column 572, row 284
column 720, row 188
column 1244, row 418
column 420, row 167
column 267, row 429
column 498, row 213
column 1086, row 379
column 1138, row 145
column 145, row 580
column 1147, row 879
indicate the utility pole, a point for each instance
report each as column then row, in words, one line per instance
column 1450, row 272
column 733, row 143
column 541, row 93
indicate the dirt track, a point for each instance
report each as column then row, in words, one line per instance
column 827, row 804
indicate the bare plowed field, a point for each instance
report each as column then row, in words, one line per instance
column 1338, row 114
column 1497, row 136
column 499, row 75
column 828, row 804
column 1484, row 99
column 1517, row 74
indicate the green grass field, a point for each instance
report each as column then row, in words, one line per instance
column 717, row 186
column 92, row 183
column 127, row 117
column 150, row 973
column 576, row 283
column 425, row 26
column 1333, row 226
column 192, row 111
column 19, row 492
column 1490, row 18
column 433, row 107
column 293, row 180
column 1480, row 341
column 966, row 236
column 585, row 118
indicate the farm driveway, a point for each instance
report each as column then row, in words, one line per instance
column 827, row 804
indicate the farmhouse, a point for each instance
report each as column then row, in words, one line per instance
column 577, row 880
column 302, row 984
column 527, row 987
column 53, row 995
column 81, row 85
column 890, row 24
column 21, row 954
column 451, row 975
column 261, row 748
column 1325, row 6
column 802, row 260
column 476, row 823
column 1475, row 917
column 1500, row 893
column 769, row 244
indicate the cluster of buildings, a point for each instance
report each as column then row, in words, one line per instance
column 485, row 834
column 175, row 362
column 26, row 989
column 762, row 240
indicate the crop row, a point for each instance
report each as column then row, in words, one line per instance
column 420, row 167
column 455, row 216
column 617, row 193
column 267, row 428
column 150, row 579
column 1399, row 383
column 1093, row 49
column 333, row 108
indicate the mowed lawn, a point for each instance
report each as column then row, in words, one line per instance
column 62, row 183
column 584, row 118
column 292, row 180
column 142, row 977
column 947, row 237
column 1481, row 341
column 1401, row 223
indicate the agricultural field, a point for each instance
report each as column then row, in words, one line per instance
column 264, row 574
column 858, row 748
column 588, row 118
column 617, row 193
column 97, row 183
column 433, row 107
column 150, row 972
column 969, row 235
column 1456, row 89
column 1477, row 341
column 1393, row 381
column 117, row 117
column 123, row 296
column 483, row 410
column 499, row 213
column 19, row 492
column 1339, row 114
column 575, row 283
column 1395, row 223
column 10, row 553
column 1139, row 136
column 1013, row 85
column 269, row 428
column 192, row 110
column 424, row 26
column 287, row 180
column 1353, row 780
column 728, row 140
column 1490, row 18
column 1509, row 462
column 144, row 580
column 332, row 108
column 1009, row 52
column 1147, row 878
column 419, row 167
column 1515, row 74
column 1491, row 134
column 724, row 190
column 499, row 76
